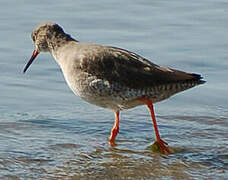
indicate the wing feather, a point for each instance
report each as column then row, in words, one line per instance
column 131, row 70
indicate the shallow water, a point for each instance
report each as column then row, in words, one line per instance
column 46, row 132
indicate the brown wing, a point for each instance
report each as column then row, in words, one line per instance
column 127, row 68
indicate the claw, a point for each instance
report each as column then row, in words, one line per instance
column 163, row 142
column 163, row 146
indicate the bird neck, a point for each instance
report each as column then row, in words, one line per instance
column 58, row 40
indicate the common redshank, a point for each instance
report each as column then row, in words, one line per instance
column 111, row 77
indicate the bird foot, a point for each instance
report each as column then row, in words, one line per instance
column 161, row 147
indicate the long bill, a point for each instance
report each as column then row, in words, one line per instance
column 34, row 54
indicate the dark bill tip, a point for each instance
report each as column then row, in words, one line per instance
column 34, row 54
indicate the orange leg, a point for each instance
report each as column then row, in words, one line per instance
column 162, row 144
column 115, row 128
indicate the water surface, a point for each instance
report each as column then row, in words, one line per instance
column 46, row 132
